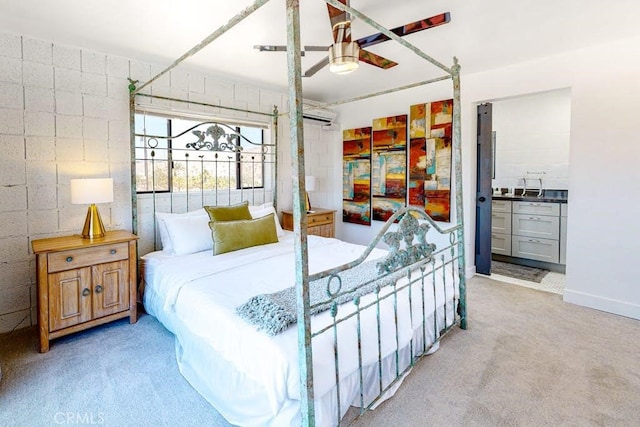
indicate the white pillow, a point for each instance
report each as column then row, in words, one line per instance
column 161, row 218
column 189, row 234
column 264, row 210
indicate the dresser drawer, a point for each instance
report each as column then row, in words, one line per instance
column 501, row 222
column 75, row 258
column 536, row 226
column 536, row 208
column 539, row 249
column 501, row 244
column 501, row 206
column 321, row 219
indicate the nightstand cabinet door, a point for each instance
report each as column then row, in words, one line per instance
column 69, row 298
column 110, row 291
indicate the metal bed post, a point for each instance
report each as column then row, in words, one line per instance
column 457, row 147
column 132, row 136
column 274, row 137
column 294, row 68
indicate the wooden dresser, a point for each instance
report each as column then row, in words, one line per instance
column 320, row 222
column 83, row 283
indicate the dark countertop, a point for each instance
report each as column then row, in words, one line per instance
column 554, row 196
column 531, row 199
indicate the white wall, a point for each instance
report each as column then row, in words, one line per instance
column 64, row 113
column 532, row 135
column 604, row 151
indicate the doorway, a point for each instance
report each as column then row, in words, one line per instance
column 523, row 149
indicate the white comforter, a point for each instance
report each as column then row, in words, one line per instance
column 250, row 377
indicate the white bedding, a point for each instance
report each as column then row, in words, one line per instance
column 252, row 378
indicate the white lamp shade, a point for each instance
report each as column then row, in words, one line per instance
column 310, row 183
column 93, row 190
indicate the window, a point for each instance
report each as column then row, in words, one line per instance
column 180, row 154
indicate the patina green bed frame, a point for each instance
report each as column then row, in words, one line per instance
column 417, row 258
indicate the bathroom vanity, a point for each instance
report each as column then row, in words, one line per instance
column 530, row 228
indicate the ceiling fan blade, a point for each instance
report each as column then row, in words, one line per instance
column 270, row 48
column 407, row 29
column 376, row 60
column 316, row 48
column 281, row 48
column 317, row 67
column 337, row 16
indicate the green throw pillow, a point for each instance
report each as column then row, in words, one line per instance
column 229, row 213
column 233, row 235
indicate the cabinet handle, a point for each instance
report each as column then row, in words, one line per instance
column 112, row 251
column 85, row 292
column 69, row 258
column 534, row 241
column 98, row 289
column 533, row 218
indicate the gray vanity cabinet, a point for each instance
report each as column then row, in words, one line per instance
column 536, row 231
column 501, row 227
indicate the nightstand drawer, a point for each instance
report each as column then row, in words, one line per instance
column 319, row 219
column 320, row 222
column 75, row 258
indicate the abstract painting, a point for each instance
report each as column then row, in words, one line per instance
column 430, row 129
column 389, row 166
column 356, row 176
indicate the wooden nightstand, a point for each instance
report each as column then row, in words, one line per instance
column 320, row 222
column 83, row 283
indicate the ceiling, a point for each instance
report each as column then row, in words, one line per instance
column 482, row 34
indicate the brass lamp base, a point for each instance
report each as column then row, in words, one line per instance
column 308, row 202
column 93, row 227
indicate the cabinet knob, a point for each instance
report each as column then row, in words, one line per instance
column 85, row 292
column 98, row 289
column 112, row 251
column 69, row 258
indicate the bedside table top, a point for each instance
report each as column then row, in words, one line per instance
column 75, row 241
column 312, row 211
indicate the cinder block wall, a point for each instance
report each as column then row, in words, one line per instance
column 64, row 113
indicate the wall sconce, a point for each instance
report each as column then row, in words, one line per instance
column 310, row 185
column 92, row 191
column 343, row 57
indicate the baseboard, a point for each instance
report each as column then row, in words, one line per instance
column 621, row 308
column 470, row 272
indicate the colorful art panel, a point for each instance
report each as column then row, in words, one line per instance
column 430, row 157
column 439, row 204
column 389, row 166
column 356, row 176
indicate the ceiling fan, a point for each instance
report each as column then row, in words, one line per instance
column 345, row 54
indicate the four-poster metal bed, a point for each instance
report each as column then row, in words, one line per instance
column 415, row 278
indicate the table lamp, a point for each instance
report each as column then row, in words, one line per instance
column 92, row 191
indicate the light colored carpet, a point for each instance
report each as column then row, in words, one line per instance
column 527, row 359
column 114, row 375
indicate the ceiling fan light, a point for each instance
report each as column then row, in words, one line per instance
column 343, row 57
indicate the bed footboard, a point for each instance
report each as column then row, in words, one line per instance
column 400, row 307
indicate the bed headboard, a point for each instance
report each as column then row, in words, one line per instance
column 183, row 162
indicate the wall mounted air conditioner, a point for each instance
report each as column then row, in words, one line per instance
column 322, row 116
